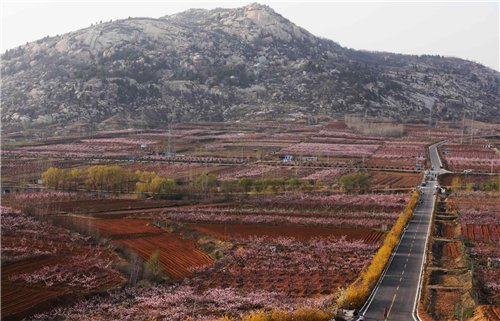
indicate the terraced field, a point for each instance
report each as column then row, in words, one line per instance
column 374, row 237
column 486, row 312
column 303, row 233
column 483, row 233
column 22, row 300
column 177, row 255
column 451, row 250
column 44, row 266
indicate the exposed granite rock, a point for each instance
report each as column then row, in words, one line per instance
column 227, row 64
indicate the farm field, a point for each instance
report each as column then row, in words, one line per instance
column 481, row 233
column 281, row 217
column 44, row 266
column 400, row 155
column 224, row 150
column 68, row 202
column 480, row 229
column 367, row 202
column 176, row 256
column 236, row 228
column 480, row 156
column 447, row 280
column 304, row 234
column 21, row 300
column 348, row 250
column 486, row 312
column 298, row 270
column 463, row 180
column 394, row 180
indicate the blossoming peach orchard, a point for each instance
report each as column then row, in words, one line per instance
column 207, row 221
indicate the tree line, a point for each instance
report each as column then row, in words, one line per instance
column 119, row 180
column 107, row 178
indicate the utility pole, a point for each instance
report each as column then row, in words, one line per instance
column 91, row 133
column 171, row 138
column 472, row 130
column 463, row 127
column 142, row 123
column 430, row 118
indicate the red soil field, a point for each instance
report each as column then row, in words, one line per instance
column 20, row 300
column 302, row 233
column 483, row 233
column 448, row 230
column 393, row 180
column 336, row 125
column 486, row 312
column 419, row 128
column 43, row 245
column 451, row 250
column 177, row 255
column 125, row 228
column 374, row 237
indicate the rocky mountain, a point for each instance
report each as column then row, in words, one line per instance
column 248, row 63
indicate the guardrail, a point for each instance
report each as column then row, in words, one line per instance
column 416, row 315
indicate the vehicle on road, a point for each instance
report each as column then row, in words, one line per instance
column 418, row 226
column 467, row 171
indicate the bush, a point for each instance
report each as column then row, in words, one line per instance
column 153, row 267
column 301, row 314
column 207, row 181
column 245, row 183
column 356, row 181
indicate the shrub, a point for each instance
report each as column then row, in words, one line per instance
column 245, row 183
column 356, row 181
column 301, row 314
column 153, row 267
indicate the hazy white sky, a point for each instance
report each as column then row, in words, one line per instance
column 467, row 30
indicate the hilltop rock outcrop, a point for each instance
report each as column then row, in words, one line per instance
column 227, row 64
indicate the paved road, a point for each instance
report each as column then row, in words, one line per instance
column 398, row 288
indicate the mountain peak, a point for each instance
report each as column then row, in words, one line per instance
column 226, row 64
column 254, row 22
